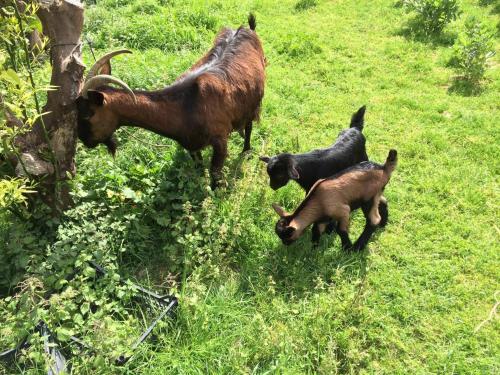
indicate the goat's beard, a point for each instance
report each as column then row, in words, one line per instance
column 111, row 144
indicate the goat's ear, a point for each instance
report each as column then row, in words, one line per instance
column 292, row 172
column 279, row 210
column 392, row 156
column 95, row 97
column 81, row 103
column 111, row 144
column 265, row 159
column 289, row 231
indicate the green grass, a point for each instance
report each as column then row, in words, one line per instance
column 409, row 303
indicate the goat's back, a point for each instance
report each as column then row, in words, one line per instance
column 357, row 184
column 349, row 149
column 230, row 79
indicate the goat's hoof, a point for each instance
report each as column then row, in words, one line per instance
column 246, row 152
column 330, row 228
column 218, row 183
column 357, row 247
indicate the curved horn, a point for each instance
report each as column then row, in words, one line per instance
column 103, row 60
column 101, row 80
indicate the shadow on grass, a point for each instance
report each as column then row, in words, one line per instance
column 462, row 86
column 495, row 3
column 414, row 31
column 295, row 271
column 162, row 219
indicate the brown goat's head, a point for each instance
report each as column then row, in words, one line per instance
column 96, row 121
column 283, row 229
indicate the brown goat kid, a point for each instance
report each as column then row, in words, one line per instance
column 221, row 93
column 335, row 198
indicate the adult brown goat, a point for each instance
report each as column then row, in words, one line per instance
column 222, row 92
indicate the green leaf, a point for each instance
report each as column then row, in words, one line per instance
column 129, row 193
column 11, row 76
column 63, row 333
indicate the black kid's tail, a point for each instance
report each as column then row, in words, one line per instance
column 358, row 118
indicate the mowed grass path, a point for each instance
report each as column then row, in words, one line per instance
column 408, row 304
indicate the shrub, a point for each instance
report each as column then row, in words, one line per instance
column 473, row 49
column 305, row 4
column 298, row 45
column 433, row 15
column 146, row 7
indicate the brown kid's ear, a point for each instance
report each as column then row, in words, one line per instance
column 392, row 156
column 292, row 172
column 279, row 210
column 265, row 159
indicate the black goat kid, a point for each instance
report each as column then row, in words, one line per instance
column 349, row 149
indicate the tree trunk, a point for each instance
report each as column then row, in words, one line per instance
column 48, row 150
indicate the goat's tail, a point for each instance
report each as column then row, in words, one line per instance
column 391, row 162
column 252, row 23
column 358, row 118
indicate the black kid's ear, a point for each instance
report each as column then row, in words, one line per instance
column 292, row 172
column 265, row 159
column 279, row 210
column 95, row 97
column 289, row 231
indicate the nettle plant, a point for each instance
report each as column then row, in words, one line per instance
column 433, row 15
column 152, row 210
column 472, row 50
column 95, row 309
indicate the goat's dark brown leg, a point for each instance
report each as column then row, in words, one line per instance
column 342, row 230
column 344, row 238
column 219, row 155
column 196, row 156
column 248, row 133
column 330, row 227
column 384, row 212
column 317, row 230
column 368, row 230
column 315, row 234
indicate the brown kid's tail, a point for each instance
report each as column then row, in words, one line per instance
column 391, row 162
column 252, row 23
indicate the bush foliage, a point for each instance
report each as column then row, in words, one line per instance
column 473, row 49
column 433, row 15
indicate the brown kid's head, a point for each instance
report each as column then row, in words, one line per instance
column 285, row 232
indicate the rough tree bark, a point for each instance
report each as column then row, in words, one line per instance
column 48, row 150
